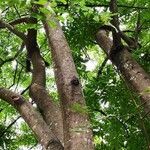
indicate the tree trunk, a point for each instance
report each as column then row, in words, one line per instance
column 133, row 74
column 77, row 131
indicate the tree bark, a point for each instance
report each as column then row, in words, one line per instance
column 133, row 73
column 49, row 110
column 35, row 121
column 77, row 131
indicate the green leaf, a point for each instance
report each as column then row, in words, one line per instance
column 52, row 24
column 96, row 18
column 79, row 108
column 63, row 1
column 146, row 91
column 105, row 17
column 41, row 2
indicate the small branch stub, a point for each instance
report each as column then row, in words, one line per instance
column 17, row 100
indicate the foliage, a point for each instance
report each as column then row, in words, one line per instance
column 115, row 112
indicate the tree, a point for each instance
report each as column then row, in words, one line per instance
column 63, row 118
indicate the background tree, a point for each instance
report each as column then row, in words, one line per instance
column 115, row 95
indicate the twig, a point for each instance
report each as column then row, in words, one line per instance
column 102, row 67
column 25, row 90
column 9, row 126
column 14, row 57
column 14, row 79
column 19, row 78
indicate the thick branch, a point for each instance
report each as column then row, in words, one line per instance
column 20, row 20
column 77, row 132
column 50, row 111
column 115, row 22
column 13, row 30
column 32, row 118
column 134, row 75
column 17, row 21
column 114, row 10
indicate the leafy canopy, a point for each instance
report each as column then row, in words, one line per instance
column 114, row 110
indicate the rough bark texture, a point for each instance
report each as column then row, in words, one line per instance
column 49, row 110
column 44, row 135
column 77, row 132
column 133, row 74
